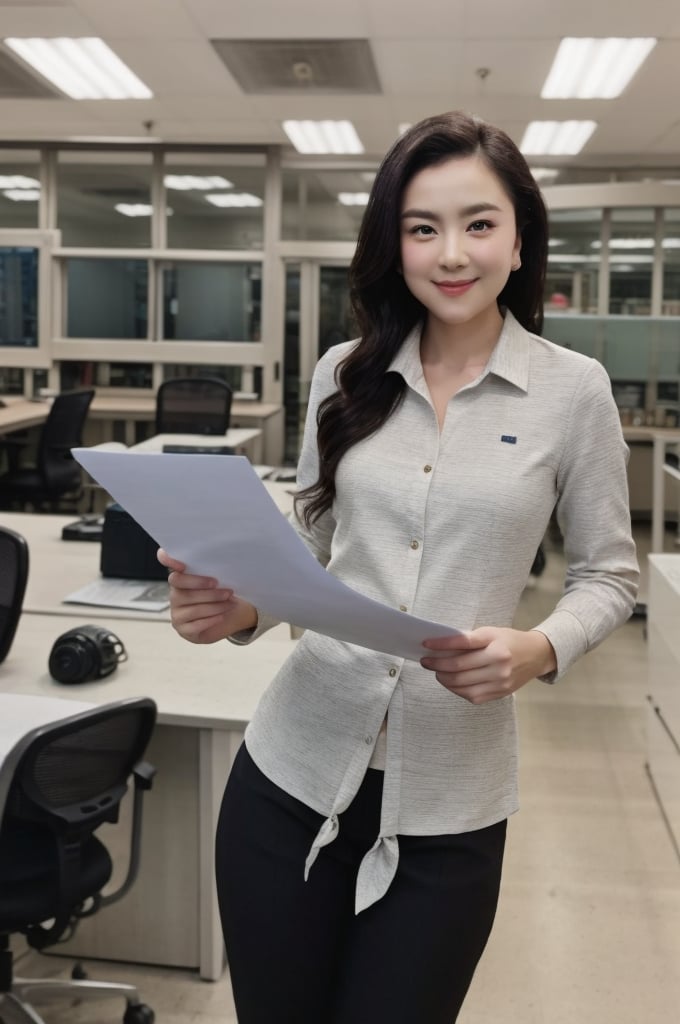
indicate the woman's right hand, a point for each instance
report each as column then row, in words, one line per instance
column 200, row 611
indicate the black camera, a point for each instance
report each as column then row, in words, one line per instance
column 85, row 653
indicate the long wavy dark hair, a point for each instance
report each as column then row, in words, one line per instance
column 384, row 308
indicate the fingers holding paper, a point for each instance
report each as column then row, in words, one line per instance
column 489, row 663
column 200, row 610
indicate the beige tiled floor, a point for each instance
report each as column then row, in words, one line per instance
column 588, row 929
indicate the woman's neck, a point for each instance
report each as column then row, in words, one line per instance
column 460, row 348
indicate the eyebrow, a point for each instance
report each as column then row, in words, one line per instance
column 469, row 211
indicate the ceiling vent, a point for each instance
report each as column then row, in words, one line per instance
column 289, row 66
column 16, row 83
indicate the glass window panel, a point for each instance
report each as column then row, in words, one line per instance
column 628, row 356
column 80, row 373
column 107, row 298
column 631, row 259
column 232, row 374
column 11, row 380
column 19, row 189
column 90, row 186
column 671, row 263
column 668, row 371
column 293, row 406
column 572, row 279
column 40, row 380
column 212, row 301
column 196, row 222
column 580, row 333
column 19, row 296
column 311, row 208
column 336, row 323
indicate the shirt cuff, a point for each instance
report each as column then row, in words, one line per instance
column 568, row 639
column 248, row 636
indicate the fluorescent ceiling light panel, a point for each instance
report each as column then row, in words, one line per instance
column 134, row 209
column 22, row 194
column 18, row 181
column 323, row 136
column 594, row 68
column 544, row 173
column 353, row 198
column 194, row 182
column 638, row 243
column 233, row 199
column 85, row 69
column 556, row 138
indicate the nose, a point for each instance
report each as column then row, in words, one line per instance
column 453, row 251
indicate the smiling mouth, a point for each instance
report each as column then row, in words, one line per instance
column 455, row 287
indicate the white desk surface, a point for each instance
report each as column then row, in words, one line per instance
column 236, row 437
column 20, row 413
column 58, row 567
column 27, row 412
column 143, row 407
column 213, row 686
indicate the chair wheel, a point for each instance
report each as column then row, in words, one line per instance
column 78, row 973
column 140, row 1013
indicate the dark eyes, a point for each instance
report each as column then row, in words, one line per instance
column 477, row 227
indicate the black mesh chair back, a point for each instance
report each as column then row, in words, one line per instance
column 62, row 431
column 75, row 771
column 58, row 784
column 13, row 579
column 55, row 476
column 68, row 778
column 193, row 405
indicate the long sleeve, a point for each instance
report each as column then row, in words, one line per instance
column 594, row 516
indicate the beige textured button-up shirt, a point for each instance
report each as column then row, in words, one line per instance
column 446, row 526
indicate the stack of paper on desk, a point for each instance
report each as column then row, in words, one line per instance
column 215, row 515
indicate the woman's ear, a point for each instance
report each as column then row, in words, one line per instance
column 516, row 251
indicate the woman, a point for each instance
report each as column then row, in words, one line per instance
column 361, row 839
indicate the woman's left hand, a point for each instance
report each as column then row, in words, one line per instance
column 489, row 663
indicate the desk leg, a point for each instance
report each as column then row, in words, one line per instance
column 217, row 750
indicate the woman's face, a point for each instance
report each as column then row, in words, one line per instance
column 459, row 240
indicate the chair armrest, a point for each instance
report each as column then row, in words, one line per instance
column 143, row 774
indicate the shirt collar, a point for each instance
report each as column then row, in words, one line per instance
column 509, row 359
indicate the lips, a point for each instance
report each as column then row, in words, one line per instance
column 455, row 287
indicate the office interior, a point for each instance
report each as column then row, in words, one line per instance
column 119, row 274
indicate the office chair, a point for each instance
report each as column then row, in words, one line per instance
column 13, row 579
column 55, row 475
column 57, row 785
column 193, row 405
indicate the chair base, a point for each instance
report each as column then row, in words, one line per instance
column 16, row 1006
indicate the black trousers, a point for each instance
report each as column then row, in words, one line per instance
column 297, row 952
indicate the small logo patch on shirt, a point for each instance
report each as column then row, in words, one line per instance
column 509, row 438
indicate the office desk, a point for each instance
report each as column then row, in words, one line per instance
column 241, row 440
column 264, row 416
column 659, row 438
column 267, row 417
column 205, row 695
column 58, row 567
column 20, row 414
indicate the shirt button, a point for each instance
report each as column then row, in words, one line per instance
column 402, row 608
column 393, row 671
column 368, row 740
column 415, row 545
column 427, row 469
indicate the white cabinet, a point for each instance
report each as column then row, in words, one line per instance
column 663, row 733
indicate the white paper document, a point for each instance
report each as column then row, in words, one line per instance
column 139, row 595
column 215, row 515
